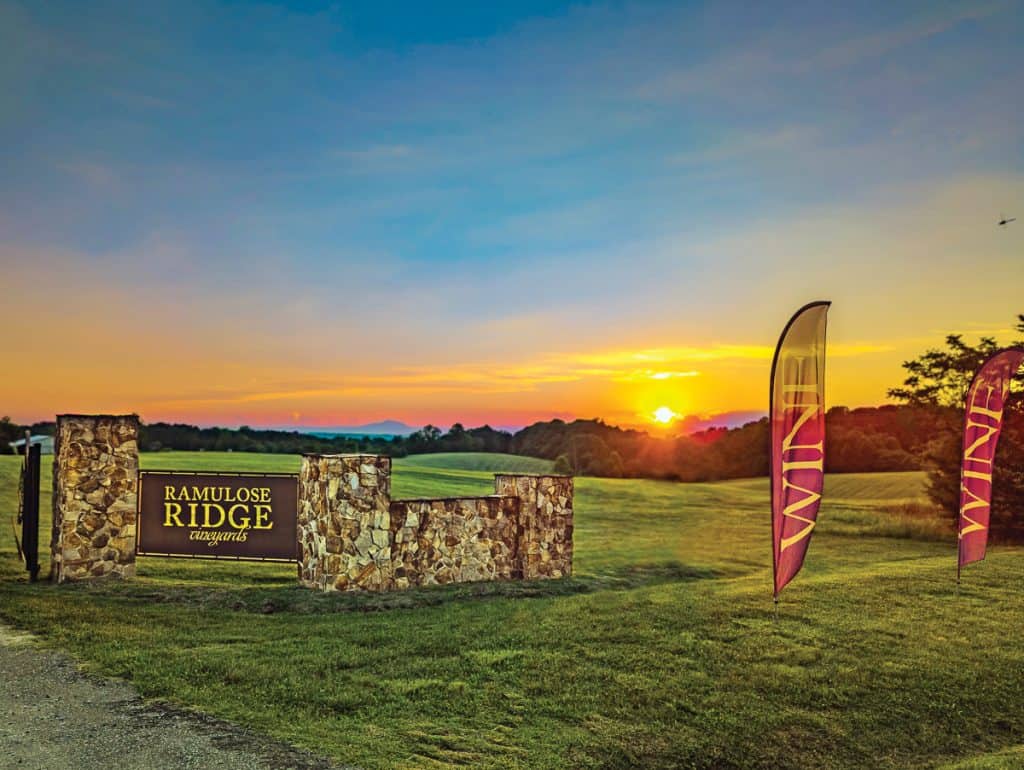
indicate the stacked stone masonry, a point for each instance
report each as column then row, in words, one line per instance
column 95, row 488
column 344, row 528
column 454, row 541
column 544, row 547
column 353, row 537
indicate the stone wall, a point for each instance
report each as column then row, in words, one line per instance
column 545, row 523
column 353, row 537
column 95, row 490
column 456, row 540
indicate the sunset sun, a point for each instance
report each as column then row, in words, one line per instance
column 664, row 415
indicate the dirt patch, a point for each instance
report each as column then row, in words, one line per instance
column 53, row 716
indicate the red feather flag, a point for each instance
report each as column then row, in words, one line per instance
column 983, row 422
column 797, row 413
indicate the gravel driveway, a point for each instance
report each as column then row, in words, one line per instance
column 54, row 717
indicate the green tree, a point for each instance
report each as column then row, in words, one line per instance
column 9, row 431
column 940, row 378
column 562, row 465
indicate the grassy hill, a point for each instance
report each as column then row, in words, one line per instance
column 476, row 461
column 664, row 650
column 244, row 461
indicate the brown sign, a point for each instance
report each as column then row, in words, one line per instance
column 218, row 515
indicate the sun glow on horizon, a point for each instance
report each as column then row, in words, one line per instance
column 664, row 415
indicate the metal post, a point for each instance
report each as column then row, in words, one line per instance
column 30, row 513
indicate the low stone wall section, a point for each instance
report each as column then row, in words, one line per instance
column 456, row 540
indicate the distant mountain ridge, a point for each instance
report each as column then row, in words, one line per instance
column 381, row 428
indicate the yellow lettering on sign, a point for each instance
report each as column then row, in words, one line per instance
column 990, row 430
column 207, row 507
column 263, row 518
column 791, row 512
column 172, row 510
column 987, row 477
column 984, row 411
column 972, row 504
column 974, row 501
column 804, row 465
column 809, row 410
column 238, row 524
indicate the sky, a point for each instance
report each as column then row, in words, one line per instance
column 324, row 214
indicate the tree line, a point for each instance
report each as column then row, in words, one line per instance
column 870, row 439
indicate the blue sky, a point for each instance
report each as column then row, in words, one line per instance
column 358, row 191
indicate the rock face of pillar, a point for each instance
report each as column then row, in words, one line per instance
column 544, row 549
column 344, row 528
column 95, row 496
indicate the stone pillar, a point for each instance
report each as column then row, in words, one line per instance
column 545, row 522
column 344, row 527
column 95, row 496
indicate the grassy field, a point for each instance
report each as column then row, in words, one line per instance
column 662, row 651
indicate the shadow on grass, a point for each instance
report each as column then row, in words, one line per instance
column 252, row 597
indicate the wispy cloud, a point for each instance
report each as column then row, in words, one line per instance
column 377, row 154
column 772, row 59
column 649, row 374
column 722, row 352
column 92, row 172
column 744, row 146
column 139, row 99
column 504, row 378
column 932, row 21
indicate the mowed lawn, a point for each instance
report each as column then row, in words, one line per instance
column 662, row 651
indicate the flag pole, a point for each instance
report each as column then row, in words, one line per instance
column 960, row 502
